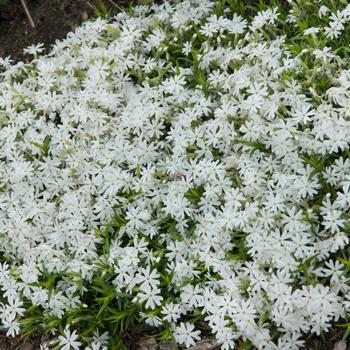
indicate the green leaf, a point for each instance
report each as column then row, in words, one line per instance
column 346, row 263
column 44, row 146
column 194, row 195
column 256, row 145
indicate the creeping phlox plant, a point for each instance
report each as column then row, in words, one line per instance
column 184, row 166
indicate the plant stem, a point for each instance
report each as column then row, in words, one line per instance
column 24, row 5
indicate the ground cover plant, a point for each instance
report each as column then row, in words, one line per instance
column 182, row 165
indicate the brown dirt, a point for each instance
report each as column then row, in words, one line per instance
column 53, row 20
column 327, row 341
column 18, row 343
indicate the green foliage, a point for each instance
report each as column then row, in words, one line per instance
column 4, row 3
column 106, row 8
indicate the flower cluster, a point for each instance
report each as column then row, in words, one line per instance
column 181, row 165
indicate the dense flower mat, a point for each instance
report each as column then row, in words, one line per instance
column 183, row 165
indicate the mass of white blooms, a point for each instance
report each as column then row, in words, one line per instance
column 182, row 164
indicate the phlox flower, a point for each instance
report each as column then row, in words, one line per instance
column 69, row 340
column 185, row 334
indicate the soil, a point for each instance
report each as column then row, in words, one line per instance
column 17, row 343
column 328, row 341
column 53, row 20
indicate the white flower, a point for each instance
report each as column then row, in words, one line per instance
column 185, row 334
column 323, row 11
column 150, row 295
column 311, row 30
column 324, row 54
column 187, row 48
column 147, row 278
column 44, row 347
column 69, row 341
column 333, row 31
column 34, row 49
column 171, row 312
column 12, row 327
